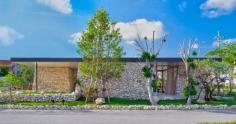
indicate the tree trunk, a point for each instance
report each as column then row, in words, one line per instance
column 201, row 95
column 10, row 93
column 218, row 83
column 207, row 93
column 150, row 95
column 189, row 101
column 231, row 80
column 108, row 92
column 87, row 95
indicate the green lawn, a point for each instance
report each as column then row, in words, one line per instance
column 114, row 101
column 126, row 102
column 232, row 94
column 218, row 102
column 183, row 102
column 233, row 122
column 173, row 102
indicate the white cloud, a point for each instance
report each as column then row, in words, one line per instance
column 9, row 35
column 216, row 8
column 216, row 44
column 182, row 6
column 74, row 38
column 230, row 40
column 62, row 6
column 141, row 27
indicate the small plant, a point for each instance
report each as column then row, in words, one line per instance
column 154, row 85
column 193, row 92
column 78, row 82
column 11, row 81
column 186, row 91
column 88, row 91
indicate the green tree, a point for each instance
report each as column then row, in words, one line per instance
column 11, row 81
column 226, row 51
column 100, row 48
column 211, row 75
column 26, row 73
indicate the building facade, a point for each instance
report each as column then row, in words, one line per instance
column 60, row 74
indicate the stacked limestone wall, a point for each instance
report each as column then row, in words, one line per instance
column 130, row 85
column 56, row 78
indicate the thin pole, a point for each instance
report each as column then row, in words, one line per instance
column 35, row 75
column 153, row 39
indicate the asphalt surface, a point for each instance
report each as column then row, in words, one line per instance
column 113, row 117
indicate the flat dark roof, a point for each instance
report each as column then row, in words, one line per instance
column 80, row 59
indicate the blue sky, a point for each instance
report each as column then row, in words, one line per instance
column 46, row 28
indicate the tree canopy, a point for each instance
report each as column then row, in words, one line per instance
column 226, row 51
column 100, row 49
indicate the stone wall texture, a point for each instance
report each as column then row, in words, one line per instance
column 131, row 84
column 37, row 97
column 56, row 78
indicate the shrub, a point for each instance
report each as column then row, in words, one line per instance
column 154, row 85
column 3, row 71
column 186, row 91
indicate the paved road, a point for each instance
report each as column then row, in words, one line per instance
column 112, row 117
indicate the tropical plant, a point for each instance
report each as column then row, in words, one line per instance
column 26, row 73
column 149, row 52
column 186, row 89
column 187, row 53
column 100, row 48
column 154, row 85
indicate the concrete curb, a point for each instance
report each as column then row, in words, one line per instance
column 109, row 107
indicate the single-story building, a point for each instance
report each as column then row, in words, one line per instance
column 60, row 74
